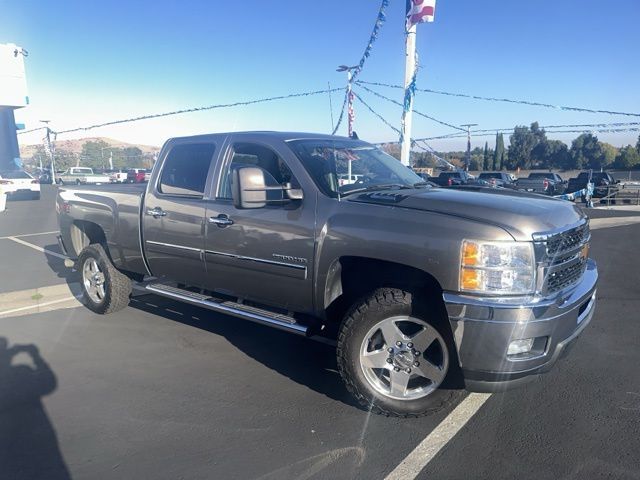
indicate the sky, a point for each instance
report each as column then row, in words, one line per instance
column 91, row 62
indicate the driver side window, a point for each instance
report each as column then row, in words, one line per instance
column 254, row 155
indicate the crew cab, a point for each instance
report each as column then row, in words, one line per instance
column 426, row 290
column 81, row 175
column 545, row 183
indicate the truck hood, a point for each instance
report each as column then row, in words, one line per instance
column 520, row 214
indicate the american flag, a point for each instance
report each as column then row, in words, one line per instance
column 420, row 11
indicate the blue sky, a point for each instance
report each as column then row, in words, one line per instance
column 91, row 62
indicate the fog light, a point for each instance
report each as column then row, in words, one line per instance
column 520, row 346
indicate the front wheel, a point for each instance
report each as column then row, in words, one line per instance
column 105, row 289
column 395, row 356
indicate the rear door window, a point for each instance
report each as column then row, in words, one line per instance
column 185, row 169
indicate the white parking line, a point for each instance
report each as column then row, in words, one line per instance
column 597, row 223
column 38, row 305
column 29, row 234
column 420, row 457
column 36, row 247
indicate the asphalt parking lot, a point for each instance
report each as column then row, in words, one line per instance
column 164, row 390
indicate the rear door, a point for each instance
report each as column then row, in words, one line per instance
column 174, row 212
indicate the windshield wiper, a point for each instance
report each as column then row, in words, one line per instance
column 380, row 186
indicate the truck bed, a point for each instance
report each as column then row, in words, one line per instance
column 114, row 208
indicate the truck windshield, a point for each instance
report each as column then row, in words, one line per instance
column 83, row 170
column 339, row 167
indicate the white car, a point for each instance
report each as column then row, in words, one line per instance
column 343, row 179
column 81, row 175
column 18, row 183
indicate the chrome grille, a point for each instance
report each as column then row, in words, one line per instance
column 566, row 241
column 562, row 263
column 565, row 277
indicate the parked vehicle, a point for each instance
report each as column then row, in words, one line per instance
column 498, row 179
column 545, row 183
column 147, row 175
column 136, row 175
column 603, row 182
column 118, row 176
column 423, row 287
column 17, row 183
column 449, row 179
column 81, row 175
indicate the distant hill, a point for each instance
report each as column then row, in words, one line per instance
column 75, row 146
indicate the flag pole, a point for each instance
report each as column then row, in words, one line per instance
column 409, row 72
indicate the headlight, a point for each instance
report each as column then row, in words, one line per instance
column 506, row 268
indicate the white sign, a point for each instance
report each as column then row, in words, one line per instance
column 13, row 82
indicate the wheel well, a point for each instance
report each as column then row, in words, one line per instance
column 84, row 233
column 354, row 277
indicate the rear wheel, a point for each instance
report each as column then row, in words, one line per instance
column 35, row 195
column 105, row 289
column 395, row 356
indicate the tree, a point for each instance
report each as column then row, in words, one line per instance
column 498, row 153
column 586, row 152
column 609, row 154
column 556, row 154
column 523, row 141
column 638, row 144
column 93, row 153
column 485, row 159
column 627, row 158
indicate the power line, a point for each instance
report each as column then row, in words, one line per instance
column 20, row 132
column 491, row 132
column 506, row 100
column 377, row 114
column 441, row 122
column 199, row 109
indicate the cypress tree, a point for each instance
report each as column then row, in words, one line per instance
column 498, row 154
column 485, row 159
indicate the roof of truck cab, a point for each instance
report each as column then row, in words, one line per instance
column 284, row 136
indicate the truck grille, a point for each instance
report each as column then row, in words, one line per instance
column 566, row 241
column 564, row 265
column 565, row 277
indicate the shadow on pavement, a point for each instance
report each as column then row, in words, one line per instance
column 28, row 443
column 307, row 362
column 56, row 265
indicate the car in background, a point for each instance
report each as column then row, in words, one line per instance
column 604, row 184
column 118, row 176
column 80, row 176
column 498, row 179
column 136, row 175
column 17, row 183
column 545, row 183
column 147, row 175
column 451, row 179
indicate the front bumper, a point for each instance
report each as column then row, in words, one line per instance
column 484, row 327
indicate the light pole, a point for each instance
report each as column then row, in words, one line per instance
column 467, row 159
column 110, row 156
column 51, row 151
column 350, row 112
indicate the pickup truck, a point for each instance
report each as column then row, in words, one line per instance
column 498, row 179
column 425, row 290
column 450, row 179
column 603, row 182
column 81, row 175
column 545, row 183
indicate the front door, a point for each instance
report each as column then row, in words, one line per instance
column 263, row 254
column 174, row 213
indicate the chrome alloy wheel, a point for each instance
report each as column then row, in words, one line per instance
column 404, row 358
column 93, row 280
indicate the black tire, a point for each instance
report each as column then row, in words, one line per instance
column 59, row 181
column 78, row 182
column 117, row 287
column 361, row 318
column 35, row 196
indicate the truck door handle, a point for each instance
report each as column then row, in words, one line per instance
column 221, row 220
column 156, row 212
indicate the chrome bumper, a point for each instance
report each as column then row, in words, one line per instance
column 483, row 328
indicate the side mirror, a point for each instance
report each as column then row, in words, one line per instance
column 254, row 187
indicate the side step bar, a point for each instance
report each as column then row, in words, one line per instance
column 258, row 315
